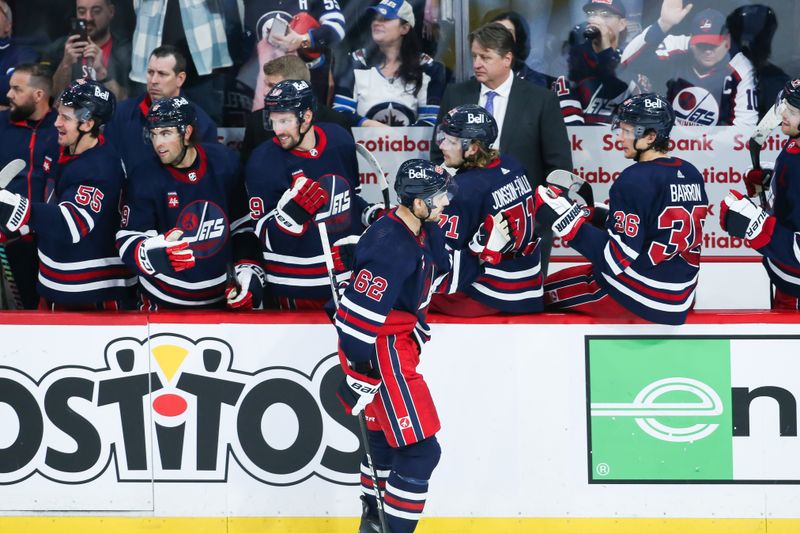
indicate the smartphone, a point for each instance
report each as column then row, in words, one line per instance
column 78, row 27
column 280, row 26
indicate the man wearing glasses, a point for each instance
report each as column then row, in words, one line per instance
column 704, row 84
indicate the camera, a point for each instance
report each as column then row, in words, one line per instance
column 78, row 27
column 591, row 33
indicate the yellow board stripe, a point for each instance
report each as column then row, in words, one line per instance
column 106, row 524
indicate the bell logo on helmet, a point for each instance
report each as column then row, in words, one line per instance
column 98, row 92
column 416, row 174
column 300, row 85
column 179, row 102
column 655, row 104
column 475, row 119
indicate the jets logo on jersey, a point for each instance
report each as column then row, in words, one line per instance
column 172, row 200
column 205, row 226
column 695, row 106
column 336, row 212
column 392, row 114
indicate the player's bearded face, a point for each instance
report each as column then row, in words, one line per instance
column 167, row 144
column 790, row 120
column 286, row 128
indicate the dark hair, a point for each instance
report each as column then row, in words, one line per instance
column 166, row 50
column 493, row 36
column 522, row 43
column 661, row 144
column 410, row 70
column 41, row 76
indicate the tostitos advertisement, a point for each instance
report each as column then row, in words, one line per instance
column 547, row 426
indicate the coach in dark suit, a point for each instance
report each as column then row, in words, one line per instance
column 529, row 117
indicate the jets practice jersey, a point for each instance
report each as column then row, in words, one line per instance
column 649, row 256
column 207, row 202
column 294, row 264
column 724, row 95
column 75, row 227
column 515, row 284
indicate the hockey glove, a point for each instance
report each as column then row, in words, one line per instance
column 247, row 291
column 164, row 254
column 344, row 258
column 299, row 204
column 555, row 211
column 15, row 210
column 493, row 239
column 599, row 215
column 372, row 213
column 742, row 218
column 757, row 180
column 359, row 386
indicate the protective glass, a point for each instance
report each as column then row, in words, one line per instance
column 446, row 141
column 781, row 104
column 283, row 122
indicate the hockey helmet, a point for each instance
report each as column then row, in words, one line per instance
column 293, row 96
column 176, row 112
column 468, row 122
column 790, row 93
column 90, row 100
column 647, row 111
column 419, row 178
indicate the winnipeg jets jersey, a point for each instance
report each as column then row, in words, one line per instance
column 649, row 256
column 294, row 264
column 722, row 96
column 363, row 90
column 515, row 284
column 207, row 202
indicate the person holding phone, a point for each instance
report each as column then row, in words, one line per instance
column 90, row 51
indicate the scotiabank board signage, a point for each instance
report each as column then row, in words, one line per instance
column 544, row 419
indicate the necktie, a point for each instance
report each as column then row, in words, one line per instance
column 490, row 102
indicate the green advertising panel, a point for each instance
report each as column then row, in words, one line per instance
column 659, row 409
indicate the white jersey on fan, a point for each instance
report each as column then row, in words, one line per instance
column 364, row 91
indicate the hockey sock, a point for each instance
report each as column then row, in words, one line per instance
column 381, row 459
column 407, row 486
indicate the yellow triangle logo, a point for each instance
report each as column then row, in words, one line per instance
column 169, row 358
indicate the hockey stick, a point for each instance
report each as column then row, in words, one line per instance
column 8, row 173
column 362, row 420
column 575, row 187
column 764, row 129
column 376, row 168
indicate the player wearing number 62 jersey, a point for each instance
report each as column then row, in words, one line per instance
column 488, row 184
column 646, row 262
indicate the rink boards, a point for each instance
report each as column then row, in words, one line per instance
column 220, row 422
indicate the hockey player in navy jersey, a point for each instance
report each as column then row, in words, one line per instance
column 304, row 170
column 79, row 268
column 488, row 184
column 381, row 321
column 184, row 215
column 646, row 263
column 775, row 234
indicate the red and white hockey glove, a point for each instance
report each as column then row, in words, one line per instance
column 555, row 211
column 298, row 205
column 359, row 386
column 493, row 238
column 742, row 218
column 246, row 292
column 15, row 210
column 757, row 180
column 164, row 254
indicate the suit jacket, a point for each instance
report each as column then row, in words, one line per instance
column 533, row 130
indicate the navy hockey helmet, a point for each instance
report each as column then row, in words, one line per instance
column 647, row 111
column 468, row 122
column 90, row 100
column 293, row 96
column 790, row 93
column 419, row 178
column 176, row 111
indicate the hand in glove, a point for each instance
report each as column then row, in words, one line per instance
column 15, row 210
column 757, row 180
column 494, row 238
column 742, row 218
column 298, row 205
column 359, row 386
column 164, row 254
column 245, row 291
column 555, row 211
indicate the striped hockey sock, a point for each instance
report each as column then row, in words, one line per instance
column 405, row 500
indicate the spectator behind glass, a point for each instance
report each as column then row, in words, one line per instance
column 518, row 26
column 10, row 53
column 593, row 62
column 28, row 133
column 166, row 74
column 275, row 71
column 103, row 56
column 752, row 28
column 705, row 83
column 313, row 27
column 393, row 83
